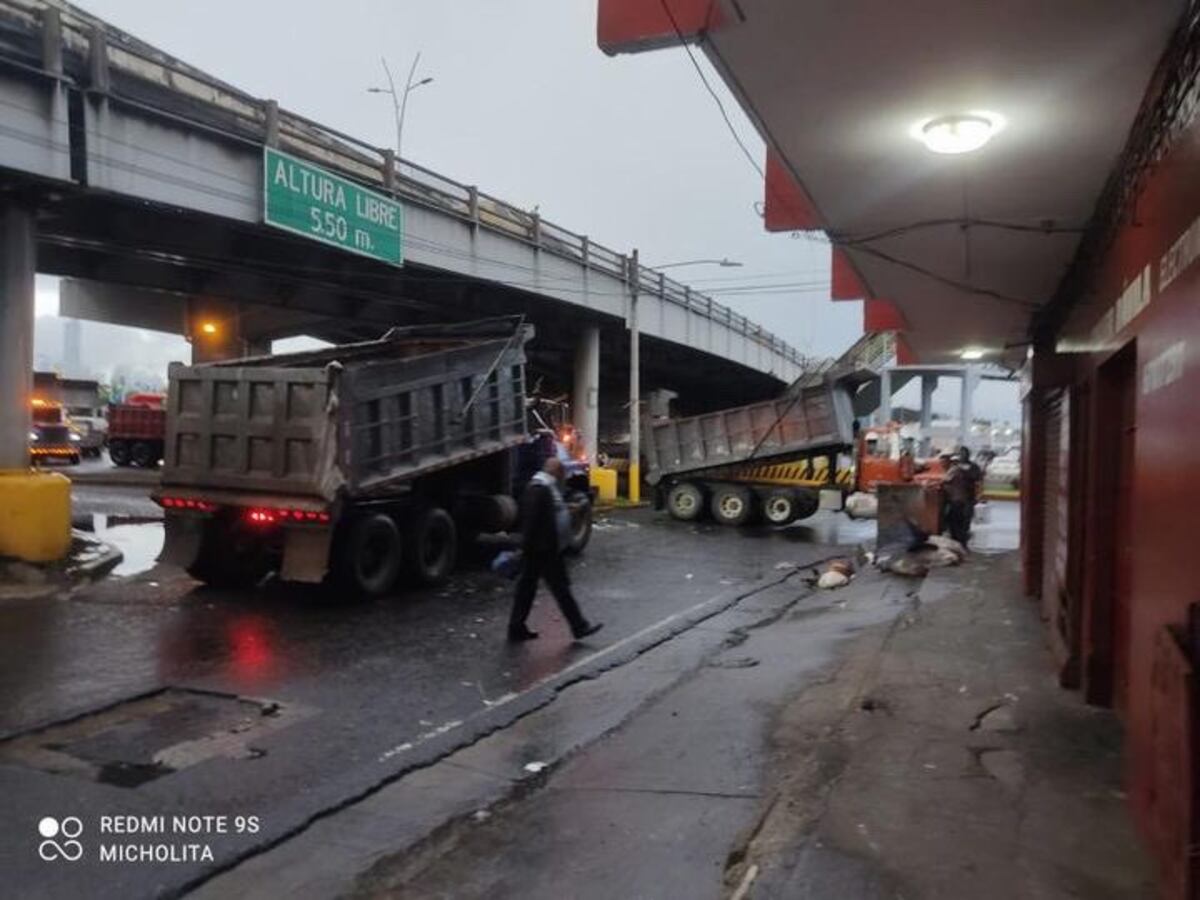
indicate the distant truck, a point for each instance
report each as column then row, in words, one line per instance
column 81, row 397
column 770, row 458
column 136, row 430
column 360, row 464
column 51, row 436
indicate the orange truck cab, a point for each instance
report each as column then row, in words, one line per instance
column 50, row 434
column 886, row 454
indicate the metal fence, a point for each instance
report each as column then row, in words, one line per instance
column 97, row 57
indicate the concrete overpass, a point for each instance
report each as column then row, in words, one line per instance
column 141, row 179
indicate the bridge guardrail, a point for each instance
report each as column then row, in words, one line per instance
column 102, row 59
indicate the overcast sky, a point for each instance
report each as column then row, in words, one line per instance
column 630, row 150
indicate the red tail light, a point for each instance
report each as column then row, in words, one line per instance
column 262, row 515
column 187, row 503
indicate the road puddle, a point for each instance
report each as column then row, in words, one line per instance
column 140, row 540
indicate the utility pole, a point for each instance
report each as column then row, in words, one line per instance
column 635, row 387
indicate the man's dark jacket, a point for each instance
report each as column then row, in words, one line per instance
column 539, row 530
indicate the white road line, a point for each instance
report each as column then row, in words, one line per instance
column 606, row 651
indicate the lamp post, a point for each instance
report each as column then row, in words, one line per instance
column 724, row 263
column 400, row 99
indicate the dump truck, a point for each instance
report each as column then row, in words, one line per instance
column 357, row 465
column 770, row 459
column 137, row 428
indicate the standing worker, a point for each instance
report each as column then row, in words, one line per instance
column 545, row 526
column 962, row 487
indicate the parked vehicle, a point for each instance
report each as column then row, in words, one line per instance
column 1005, row 469
column 51, row 435
column 81, row 397
column 359, row 464
column 136, row 430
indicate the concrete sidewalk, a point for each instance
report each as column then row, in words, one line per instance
column 868, row 742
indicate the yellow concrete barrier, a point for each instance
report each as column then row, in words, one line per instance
column 605, row 483
column 35, row 515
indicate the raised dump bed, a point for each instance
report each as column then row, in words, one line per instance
column 354, row 420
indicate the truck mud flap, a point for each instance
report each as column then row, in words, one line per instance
column 182, row 537
column 306, row 554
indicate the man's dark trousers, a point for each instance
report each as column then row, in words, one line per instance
column 550, row 566
column 958, row 521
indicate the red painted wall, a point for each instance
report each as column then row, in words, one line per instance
column 1162, row 558
column 625, row 26
column 786, row 205
column 846, row 283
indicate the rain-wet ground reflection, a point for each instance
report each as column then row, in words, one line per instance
column 139, row 539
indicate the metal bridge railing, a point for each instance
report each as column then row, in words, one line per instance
column 99, row 58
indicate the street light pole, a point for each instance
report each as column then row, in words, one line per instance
column 395, row 102
column 400, row 98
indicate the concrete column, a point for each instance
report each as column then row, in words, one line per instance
column 585, row 398
column 635, row 386
column 965, row 412
column 884, row 414
column 17, row 262
column 928, row 386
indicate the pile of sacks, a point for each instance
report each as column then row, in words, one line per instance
column 837, row 574
column 933, row 551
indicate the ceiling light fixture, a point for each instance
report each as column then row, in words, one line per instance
column 972, row 353
column 958, row 133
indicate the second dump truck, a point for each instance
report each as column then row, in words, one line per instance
column 770, row 458
column 361, row 464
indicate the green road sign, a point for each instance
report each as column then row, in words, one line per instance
column 308, row 200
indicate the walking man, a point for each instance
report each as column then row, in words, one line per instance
column 545, row 525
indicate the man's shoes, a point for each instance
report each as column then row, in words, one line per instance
column 517, row 635
column 589, row 628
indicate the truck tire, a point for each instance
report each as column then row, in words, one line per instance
column 732, row 504
column 118, row 452
column 225, row 561
column 142, row 454
column 808, row 501
column 430, row 546
column 581, row 529
column 685, row 501
column 370, row 559
column 781, row 506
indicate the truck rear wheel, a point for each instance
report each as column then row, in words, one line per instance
column 808, row 501
column 430, row 546
column 143, row 455
column 581, row 527
column 781, row 507
column 685, row 501
column 732, row 504
column 228, row 559
column 118, row 452
column 370, row 559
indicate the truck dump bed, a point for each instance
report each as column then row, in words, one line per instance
column 359, row 419
column 805, row 421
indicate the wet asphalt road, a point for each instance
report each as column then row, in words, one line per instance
column 366, row 690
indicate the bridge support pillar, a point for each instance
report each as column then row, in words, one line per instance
column 884, row 414
column 928, row 386
column 966, row 413
column 585, row 398
column 35, row 508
